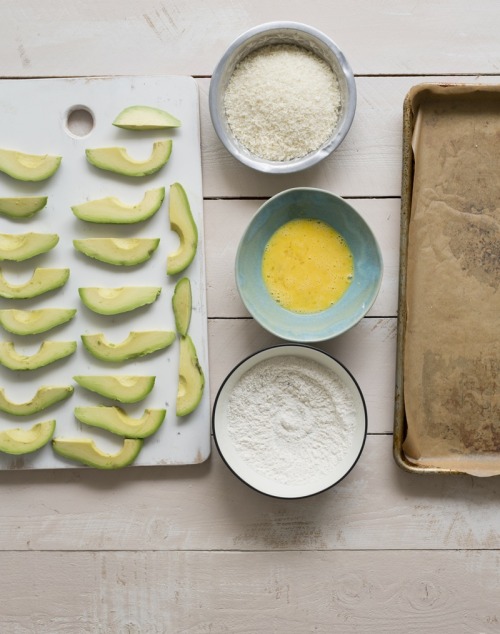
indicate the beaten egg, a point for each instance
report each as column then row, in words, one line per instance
column 307, row 266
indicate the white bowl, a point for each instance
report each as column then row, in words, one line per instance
column 258, row 479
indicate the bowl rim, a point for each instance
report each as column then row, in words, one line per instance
column 290, row 346
column 275, row 331
column 300, row 163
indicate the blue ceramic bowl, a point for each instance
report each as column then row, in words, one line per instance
column 308, row 202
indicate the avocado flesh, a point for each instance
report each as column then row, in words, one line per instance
column 22, row 207
column 49, row 352
column 116, row 420
column 85, row 450
column 124, row 388
column 32, row 322
column 21, row 441
column 44, row 397
column 145, row 118
column 182, row 305
column 137, row 344
column 182, row 222
column 28, row 167
column 118, row 251
column 23, row 246
column 111, row 210
column 42, row 281
column 117, row 159
column 191, row 378
column 114, row 301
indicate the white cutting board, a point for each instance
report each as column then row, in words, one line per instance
column 33, row 119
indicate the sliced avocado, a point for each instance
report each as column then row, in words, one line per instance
column 23, row 246
column 145, row 118
column 116, row 420
column 111, row 210
column 124, row 388
column 28, row 167
column 22, row 207
column 117, row 159
column 191, row 378
column 137, row 344
column 118, row 251
column 182, row 222
column 32, row 322
column 20, row 441
column 48, row 352
column 182, row 305
column 114, row 301
column 84, row 450
column 44, row 397
column 42, row 281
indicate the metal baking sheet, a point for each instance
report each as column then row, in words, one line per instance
column 34, row 119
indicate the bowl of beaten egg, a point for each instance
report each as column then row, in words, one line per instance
column 308, row 266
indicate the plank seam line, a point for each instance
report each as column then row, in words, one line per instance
column 256, row 551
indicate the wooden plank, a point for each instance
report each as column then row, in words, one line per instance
column 368, row 163
column 226, row 221
column 242, row 593
column 376, row 507
column 189, row 36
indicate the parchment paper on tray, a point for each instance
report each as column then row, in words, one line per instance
column 451, row 346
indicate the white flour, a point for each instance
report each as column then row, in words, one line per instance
column 291, row 419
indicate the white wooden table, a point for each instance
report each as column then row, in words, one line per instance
column 191, row 549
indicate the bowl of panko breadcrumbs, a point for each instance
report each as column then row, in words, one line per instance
column 282, row 97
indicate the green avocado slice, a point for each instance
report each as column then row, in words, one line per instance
column 145, row 118
column 118, row 251
column 124, row 388
column 85, row 450
column 22, row 441
column 28, row 167
column 23, row 246
column 117, row 159
column 48, row 352
column 137, row 344
column 22, row 207
column 191, row 378
column 42, row 281
column 45, row 397
column 116, row 420
column 182, row 222
column 115, row 301
column 111, row 210
column 33, row 322
column 182, row 305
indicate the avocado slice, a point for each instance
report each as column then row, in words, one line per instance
column 22, row 207
column 111, row 210
column 42, row 281
column 124, row 388
column 21, row 441
column 116, row 420
column 137, row 344
column 118, row 251
column 45, row 397
column 28, row 167
column 114, row 301
column 145, row 118
column 48, row 352
column 85, row 450
column 23, row 246
column 182, row 305
column 191, row 378
column 117, row 159
column 32, row 322
column 182, row 222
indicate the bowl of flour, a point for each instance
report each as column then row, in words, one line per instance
column 282, row 97
column 290, row 421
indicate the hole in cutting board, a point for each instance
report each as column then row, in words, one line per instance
column 79, row 121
